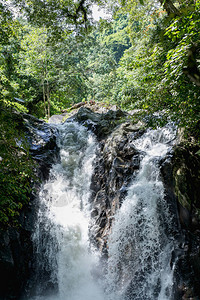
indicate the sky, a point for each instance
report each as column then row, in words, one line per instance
column 96, row 11
column 99, row 13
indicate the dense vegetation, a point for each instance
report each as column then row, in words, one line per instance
column 16, row 169
column 52, row 55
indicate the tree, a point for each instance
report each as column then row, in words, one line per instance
column 9, row 47
column 186, row 15
column 116, row 37
column 59, row 15
column 36, row 60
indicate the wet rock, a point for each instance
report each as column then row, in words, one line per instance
column 56, row 119
column 117, row 161
column 186, row 174
column 102, row 124
column 15, row 261
column 6, row 264
column 116, row 165
column 41, row 138
column 181, row 178
column 16, row 249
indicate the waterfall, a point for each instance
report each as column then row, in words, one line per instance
column 140, row 244
column 64, row 262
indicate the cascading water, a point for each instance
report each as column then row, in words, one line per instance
column 64, row 264
column 140, row 245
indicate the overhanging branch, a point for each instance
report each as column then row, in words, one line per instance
column 170, row 7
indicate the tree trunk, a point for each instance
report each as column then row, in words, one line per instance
column 44, row 99
column 170, row 7
column 48, row 100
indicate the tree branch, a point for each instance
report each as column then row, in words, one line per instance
column 170, row 7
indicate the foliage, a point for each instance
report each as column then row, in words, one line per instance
column 66, row 71
column 116, row 36
column 161, row 69
column 16, row 168
column 148, row 58
column 8, row 44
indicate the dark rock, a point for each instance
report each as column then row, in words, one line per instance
column 41, row 138
column 184, row 216
column 181, row 178
column 15, row 261
column 186, row 174
column 16, row 249
column 100, row 124
column 117, row 162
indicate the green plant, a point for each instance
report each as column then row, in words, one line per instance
column 16, row 167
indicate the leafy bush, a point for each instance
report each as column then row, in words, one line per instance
column 16, row 167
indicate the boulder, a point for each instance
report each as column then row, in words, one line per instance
column 56, row 119
column 41, row 138
column 100, row 124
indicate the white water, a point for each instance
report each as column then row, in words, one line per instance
column 139, row 249
column 61, row 235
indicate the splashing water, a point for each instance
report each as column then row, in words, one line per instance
column 61, row 236
column 139, row 249
column 139, row 246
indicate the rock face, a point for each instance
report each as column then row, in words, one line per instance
column 181, row 177
column 186, row 174
column 15, row 256
column 118, row 160
column 16, row 250
column 186, row 178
